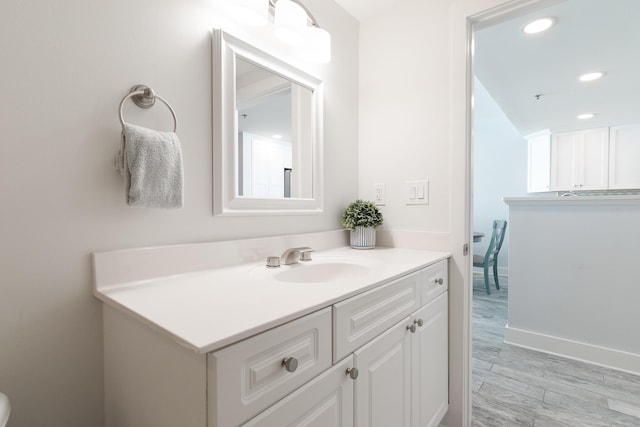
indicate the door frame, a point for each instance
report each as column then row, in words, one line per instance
column 466, row 17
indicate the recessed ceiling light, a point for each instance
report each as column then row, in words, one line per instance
column 591, row 76
column 538, row 26
column 585, row 116
column 277, row 136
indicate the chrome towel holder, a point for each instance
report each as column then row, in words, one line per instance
column 144, row 97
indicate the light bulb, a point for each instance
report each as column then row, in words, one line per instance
column 538, row 26
column 591, row 76
column 586, row 116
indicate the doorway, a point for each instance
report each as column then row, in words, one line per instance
column 481, row 20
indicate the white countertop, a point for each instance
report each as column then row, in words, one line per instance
column 207, row 310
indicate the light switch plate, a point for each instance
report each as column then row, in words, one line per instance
column 418, row 192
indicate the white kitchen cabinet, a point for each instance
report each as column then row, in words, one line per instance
column 539, row 161
column 624, row 157
column 580, row 160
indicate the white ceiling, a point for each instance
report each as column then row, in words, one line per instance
column 589, row 35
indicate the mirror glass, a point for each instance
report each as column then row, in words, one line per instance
column 273, row 136
column 267, row 119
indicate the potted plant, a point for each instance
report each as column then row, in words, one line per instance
column 362, row 218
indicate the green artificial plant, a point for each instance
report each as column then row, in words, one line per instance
column 361, row 213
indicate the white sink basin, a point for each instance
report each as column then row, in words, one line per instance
column 308, row 272
column 319, row 270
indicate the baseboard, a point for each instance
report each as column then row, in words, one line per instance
column 601, row 356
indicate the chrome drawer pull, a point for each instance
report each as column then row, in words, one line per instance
column 439, row 281
column 418, row 322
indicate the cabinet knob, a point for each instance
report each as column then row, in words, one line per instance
column 290, row 364
column 418, row 322
column 439, row 281
column 412, row 328
column 353, row 373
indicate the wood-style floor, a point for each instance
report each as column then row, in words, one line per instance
column 513, row 386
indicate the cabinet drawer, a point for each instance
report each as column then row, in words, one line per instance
column 326, row 401
column 436, row 281
column 365, row 316
column 249, row 376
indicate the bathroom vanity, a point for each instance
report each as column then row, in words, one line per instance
column 350, row 338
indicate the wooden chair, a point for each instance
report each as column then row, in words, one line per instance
column 490, row 258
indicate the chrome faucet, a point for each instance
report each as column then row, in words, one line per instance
column 293, row 255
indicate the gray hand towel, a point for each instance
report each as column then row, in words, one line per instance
column 151, row 162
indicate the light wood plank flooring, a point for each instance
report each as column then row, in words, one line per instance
column 518, row 387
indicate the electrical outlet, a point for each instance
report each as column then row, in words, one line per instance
column 380, row 194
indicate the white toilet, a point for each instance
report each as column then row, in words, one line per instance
column 5, row 409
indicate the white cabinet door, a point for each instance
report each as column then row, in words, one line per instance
column 593, row 160
column 539, row 162
column 431, row 364
column 563, row 157
column 624, row 157
column 383, row 387
column 579, row 160
column 326, row 401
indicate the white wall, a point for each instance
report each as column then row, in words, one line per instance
column 65, row 67
column 406, row 134
column 581, row 298
column 499, row 169
column 413, row 125
column 404, row 111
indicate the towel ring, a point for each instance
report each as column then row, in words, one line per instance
column 144, row 97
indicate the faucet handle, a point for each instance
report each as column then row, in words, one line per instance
column 305, row 254
column 273, row 261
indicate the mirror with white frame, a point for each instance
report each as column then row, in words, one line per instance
column 267, row 120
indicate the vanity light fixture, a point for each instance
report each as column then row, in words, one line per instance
column 276, row 136
column 249, row 12
column 588, row 77
column 539, row 25
column 585, row 116
column 293, row 24
column 290, row 22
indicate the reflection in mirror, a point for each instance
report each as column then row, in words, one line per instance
column 274, row 134
column 267, row 122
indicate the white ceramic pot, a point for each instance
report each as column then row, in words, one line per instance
column 363, row 238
